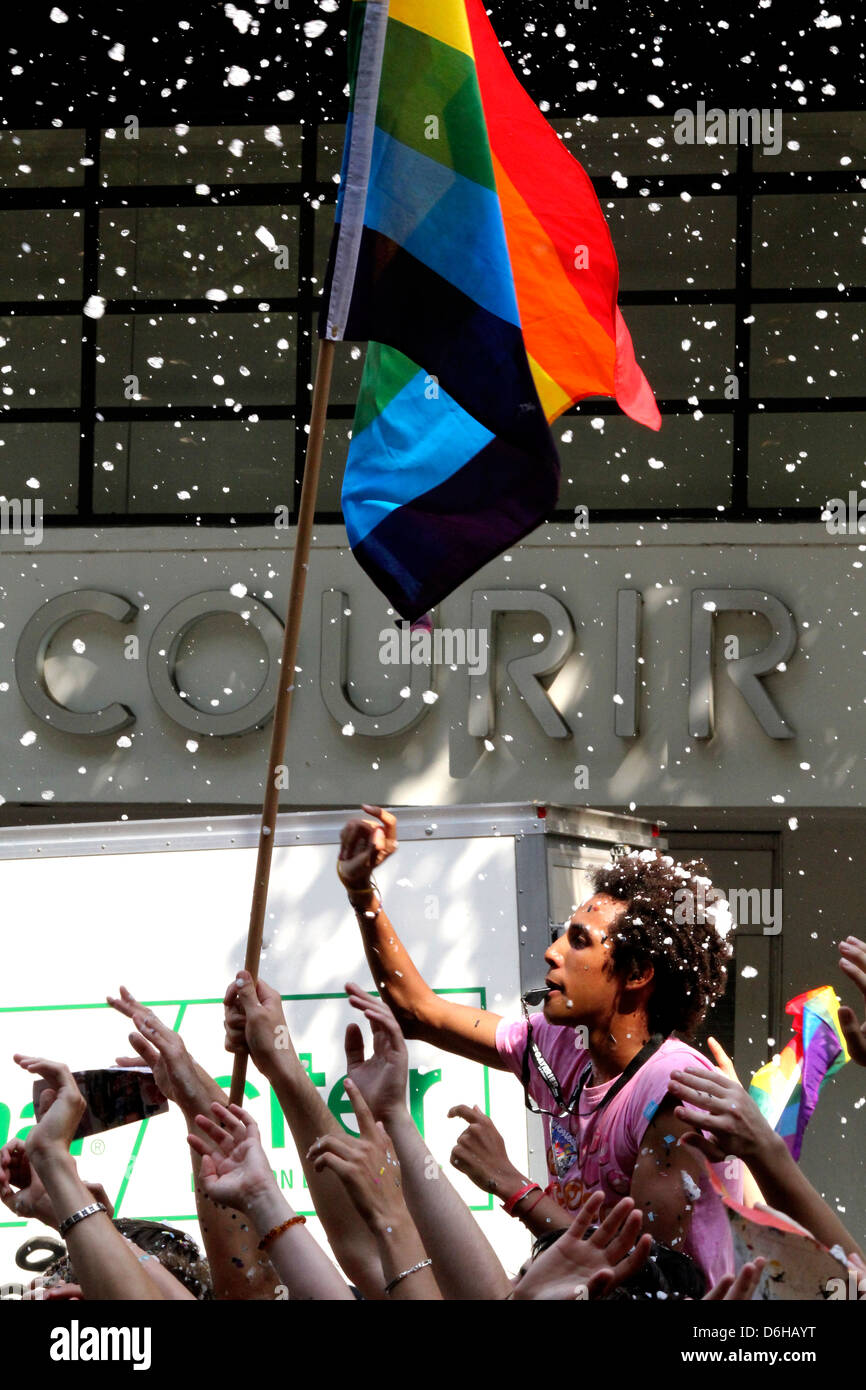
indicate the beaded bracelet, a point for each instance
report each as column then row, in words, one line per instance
column 272, row 1235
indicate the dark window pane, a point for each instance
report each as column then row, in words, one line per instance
column 201, row 154
column 597, row 452
column 41, row 158
column 818, row 140
column 640, row 146
column 41, row 253
column 683, row 350
column 346, row 375
column 322, row 237
column 608, row 461
column 198, row 253
column 668, row 243
column 802, row 460
column 809, row 239
column 331, row 138
column 221, row 466
column 40, row 460
column 334, row 455
column 185, row 360
column 40, row 361
column 197, row 359
column 809, row 350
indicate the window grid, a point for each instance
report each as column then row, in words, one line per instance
column 91, row 197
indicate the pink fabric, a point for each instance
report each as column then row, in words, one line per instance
column 599, row 1149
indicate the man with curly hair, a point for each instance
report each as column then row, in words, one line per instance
column 639, row 963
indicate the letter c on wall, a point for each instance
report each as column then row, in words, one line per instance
column 30, row 661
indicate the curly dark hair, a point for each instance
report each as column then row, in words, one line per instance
column 176, row 1251
column 677, row 922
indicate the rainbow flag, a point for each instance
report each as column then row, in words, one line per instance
column 786, row 1090
column 471, row 253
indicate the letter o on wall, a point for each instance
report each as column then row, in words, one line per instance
column 162, row 660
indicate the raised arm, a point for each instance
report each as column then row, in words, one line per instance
column 104, row 1263
column 719, row 1105
column 752, row 1194
column 255, row 1021
column 365, row 844
column 22, row 1191
column 235, row 1170
column 371, row 1172
column 238, row 1271
column 481, row 1155
column 464, row 1263
column 581, row 1266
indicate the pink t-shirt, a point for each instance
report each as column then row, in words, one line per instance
column 599, row 1148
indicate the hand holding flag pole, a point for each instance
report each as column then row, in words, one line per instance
column 283, row 708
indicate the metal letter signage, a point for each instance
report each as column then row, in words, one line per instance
column 523, row 670
column 411, row 671
column 333, row 679
column 629, row 610
column 744, row 670
column 162, row 658
column 30, row 653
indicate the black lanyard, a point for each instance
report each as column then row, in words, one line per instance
column 545, row 1071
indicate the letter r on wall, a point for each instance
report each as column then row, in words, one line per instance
column 523, row 670
column 744, row 671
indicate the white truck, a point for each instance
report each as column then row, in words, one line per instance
column 162, row 906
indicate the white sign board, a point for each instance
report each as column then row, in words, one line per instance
column 171, row 926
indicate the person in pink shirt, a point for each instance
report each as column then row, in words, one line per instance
column 634, row 972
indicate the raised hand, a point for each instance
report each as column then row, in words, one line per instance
column 364, row 845
column 739, row 1289
column 480, row 1153
column 720, row 1105
column 159, row 1047
column 61, row 1108
column 234, row 1167
column 254, row 1018
column 579, row 1267
column 381, row 1079
column 16, row 1172
column 853, row 962
column 367, row 1166
column 723, row 1061
column 22, row 1190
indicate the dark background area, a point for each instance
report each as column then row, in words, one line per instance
column 730, row 261
column 741, row 54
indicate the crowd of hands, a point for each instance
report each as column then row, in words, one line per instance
column 396, row 1227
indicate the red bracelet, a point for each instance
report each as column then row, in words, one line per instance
column 527, row 1211
column 508, row 1207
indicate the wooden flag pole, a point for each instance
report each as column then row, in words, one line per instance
column 283, row 707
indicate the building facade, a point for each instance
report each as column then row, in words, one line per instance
column 683, row 639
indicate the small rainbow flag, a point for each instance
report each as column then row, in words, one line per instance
column 786, row 1090
column 472, row 255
